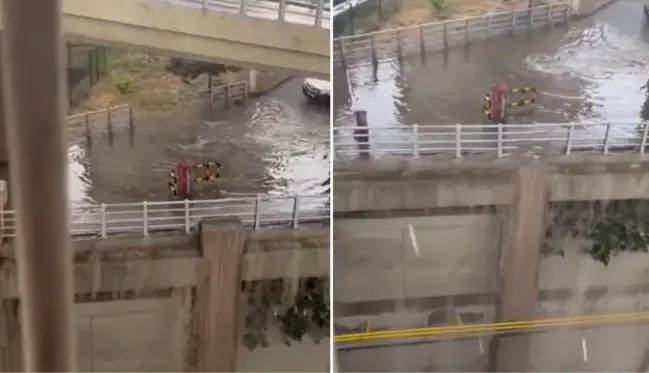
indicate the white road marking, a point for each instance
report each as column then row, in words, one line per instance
column 584, row 349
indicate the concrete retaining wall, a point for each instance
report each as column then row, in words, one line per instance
column 457, row 256
column 144, row 305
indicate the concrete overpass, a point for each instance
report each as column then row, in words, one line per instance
column 479, row 223
column 206, row 31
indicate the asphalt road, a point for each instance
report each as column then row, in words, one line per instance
column 601, row 349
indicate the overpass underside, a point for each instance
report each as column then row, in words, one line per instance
column 516, row 196
column 189, row 32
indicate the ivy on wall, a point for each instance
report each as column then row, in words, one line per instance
column 296, row 309
column 605, row 228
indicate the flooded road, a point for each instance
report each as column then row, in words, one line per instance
column 588, row 70
column 277, row 144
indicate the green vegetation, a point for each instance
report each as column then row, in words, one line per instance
column 606, row 228
column 191, row 70
column 441, row 8
column 295, row 312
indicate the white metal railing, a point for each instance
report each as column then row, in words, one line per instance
column 145, row 217
column 221, row 94
column 108, row 120
column 293, row 11
column 430, row 37
column 490, row 140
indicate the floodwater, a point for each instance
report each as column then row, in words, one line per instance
column 589, row 70
column 277, row 144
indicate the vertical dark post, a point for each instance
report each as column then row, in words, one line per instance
column 209, row 83
column 362, row 133
column 32, row 70
column 380, row 11
column 351, row 19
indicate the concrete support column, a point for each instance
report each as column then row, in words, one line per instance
column 222, row 244
column 518, row 272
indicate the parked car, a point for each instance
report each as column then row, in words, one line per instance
column 317, row 91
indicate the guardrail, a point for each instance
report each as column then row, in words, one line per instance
column 490, row 140
column 145, row 217
column 430, row 37
column 292, row 11
column 224, row 94
column 110, row 119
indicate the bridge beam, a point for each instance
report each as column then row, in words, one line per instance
column 519, row 264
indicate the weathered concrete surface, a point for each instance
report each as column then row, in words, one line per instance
column 150, row 259
column 421, row 184
column 136, row 305
column 518, row 270
column 188, row 32
column 376, row 267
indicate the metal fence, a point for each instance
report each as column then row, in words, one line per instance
column 490, row 140
column 314, row 13
column 99, row 121
column 225, row 94
column 86, row 64
column 145, row 217
column 361, row 16
column 430, row 37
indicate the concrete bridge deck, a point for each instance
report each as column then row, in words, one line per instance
column 210, row 34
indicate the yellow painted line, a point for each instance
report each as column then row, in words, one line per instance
column 495, row 327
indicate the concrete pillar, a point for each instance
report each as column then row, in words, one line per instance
column 222, row 244
column 518, row 272
column 252, row 81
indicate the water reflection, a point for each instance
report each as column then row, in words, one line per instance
column 79, row 181
column 591, row 70
column 276, row 144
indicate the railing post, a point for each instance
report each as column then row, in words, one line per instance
column 415, row 141
column 145, row 219
column 102, row 220
column 466, row 31
column 643, row 142
column 458, row 141
column 187, row 217
column 500, row 140
column 242, row 10
column 513, row 22
column 488, row 28
column 130, row 117
column 281, row 14
column 549, row 24
column 445, row 35
column 203, row 5
column 257, row 218
column 296, row 212
column 571, row 133
column 422, row 42
column 607, row 138
column 374, row 56
column 110, row 121
column 399, row 50
column 318, row 13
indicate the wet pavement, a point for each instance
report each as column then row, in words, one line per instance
column 588, row 70
column 277, row 144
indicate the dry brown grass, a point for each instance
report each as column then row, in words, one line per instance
column 154, row 90
column 416, row 12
